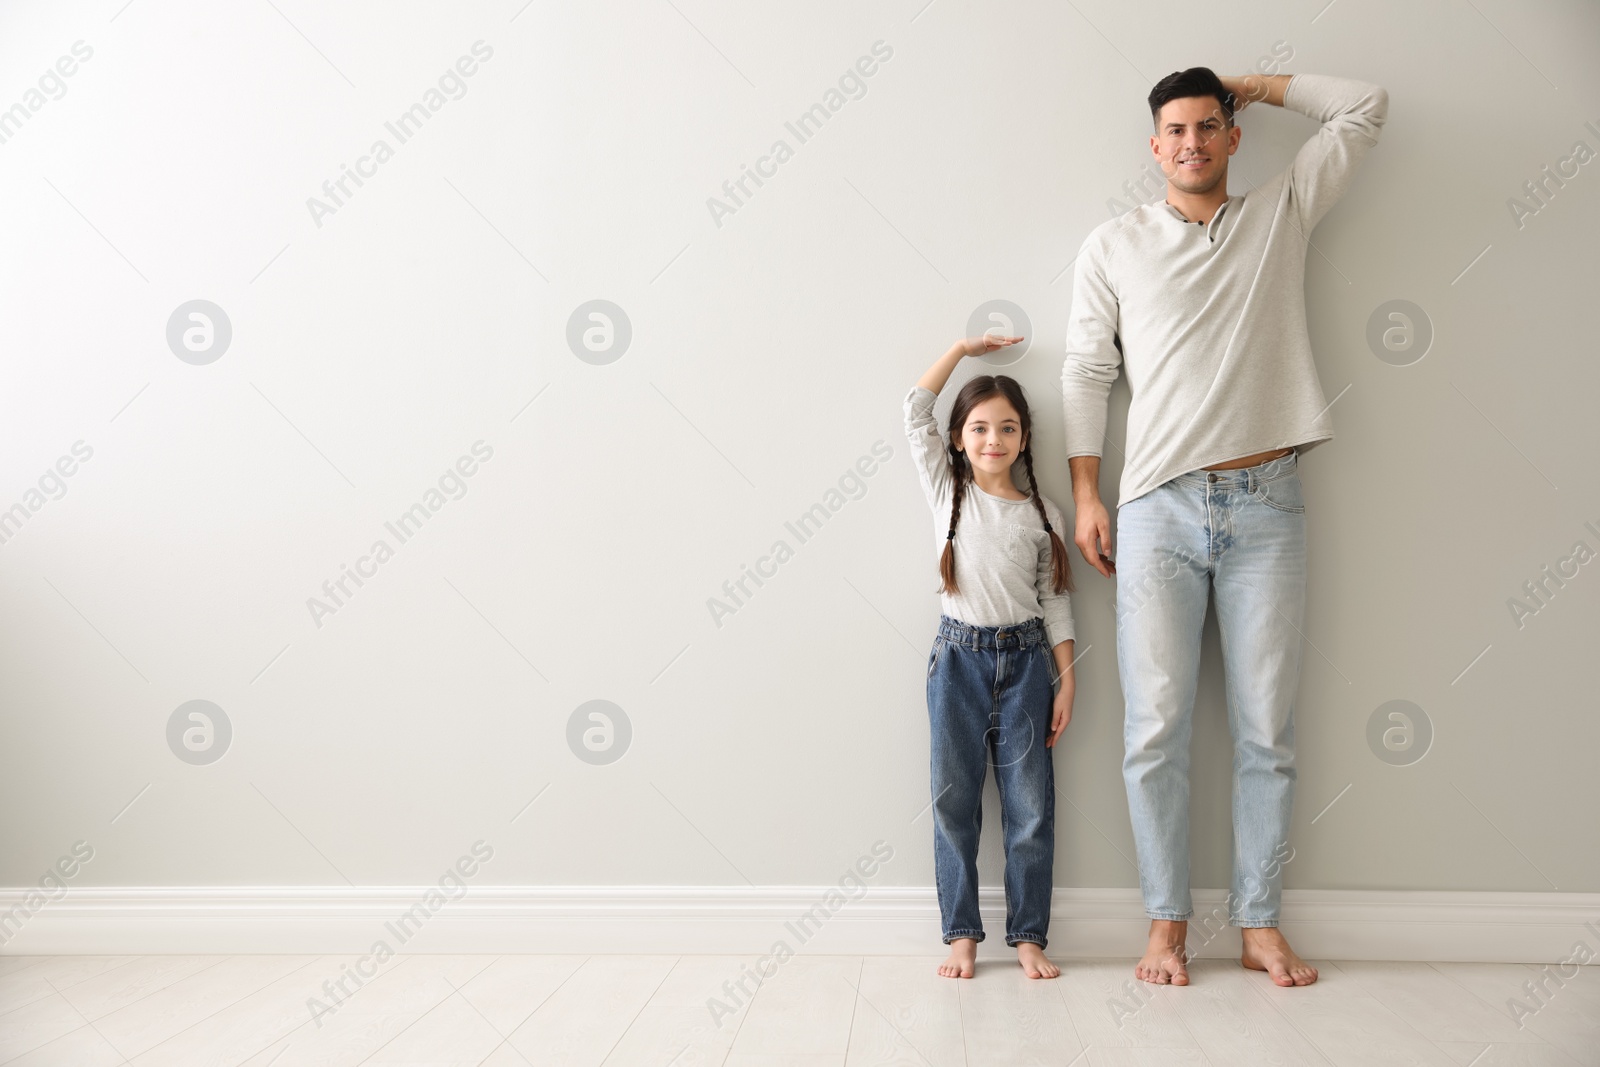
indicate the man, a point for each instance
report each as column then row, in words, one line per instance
column 1201, row 299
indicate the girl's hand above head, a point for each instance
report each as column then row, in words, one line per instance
column 935, row 377
column 978, row 346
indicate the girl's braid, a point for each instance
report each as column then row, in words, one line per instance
column 960, row 472
column 1060, row 565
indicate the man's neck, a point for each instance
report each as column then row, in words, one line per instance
column 1198, row 207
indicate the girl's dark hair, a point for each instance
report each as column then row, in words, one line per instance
column 1196, row 81
column 971, row 395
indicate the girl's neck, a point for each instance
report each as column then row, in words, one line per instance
column 999, row 485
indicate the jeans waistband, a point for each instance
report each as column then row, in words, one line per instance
column 1246, row 478
column 1017, row 635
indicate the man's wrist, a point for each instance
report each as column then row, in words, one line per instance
column 1262, row 88
column 1085, row 471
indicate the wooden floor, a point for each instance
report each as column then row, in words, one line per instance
column 509, row 1011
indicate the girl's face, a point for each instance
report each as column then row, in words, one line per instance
column 993, row 437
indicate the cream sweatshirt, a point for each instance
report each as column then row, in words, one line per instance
column 1208, row 321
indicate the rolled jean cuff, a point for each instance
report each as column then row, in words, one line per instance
column 1171, row 916
column 1032, row 939
column 1253, row 924
column 976, row 935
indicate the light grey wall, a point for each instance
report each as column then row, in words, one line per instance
column 371, row 350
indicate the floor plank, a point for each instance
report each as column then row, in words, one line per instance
column 36, row 1024
column 678, row 1026
column 1566, row 1016
column 142, row 1025
column 1433, row 1005
column 582, row 1021
column 57, row 974
column 117, row 987
column 1347, row 1024
column 80, row 1048
column 1010, row 1019
column 1113, row 1009
column 1226, row 1020
column 1478, row 1054
column 805, row 1008
column 1130, row 1056
column 380, row 1011
column 906, row 1014
column 244, row 1027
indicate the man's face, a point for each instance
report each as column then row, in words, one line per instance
column 1192, row 144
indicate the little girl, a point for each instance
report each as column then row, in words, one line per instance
column 1006, row 613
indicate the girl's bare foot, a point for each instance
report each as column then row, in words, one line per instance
column 1165, row 958
column 963, row 951
column 1266, row 950
column 1033, row 960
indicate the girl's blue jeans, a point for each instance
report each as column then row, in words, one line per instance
column 990, row 697
column 1236, row 538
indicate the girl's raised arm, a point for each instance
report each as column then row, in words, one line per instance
column 922, row 430
column 934, row 377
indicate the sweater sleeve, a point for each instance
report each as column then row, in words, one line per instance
column 1057, row 607
column 1351, row 113
column 1094, row 355
column 927, row 445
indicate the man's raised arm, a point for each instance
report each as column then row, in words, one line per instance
column 1351, row 112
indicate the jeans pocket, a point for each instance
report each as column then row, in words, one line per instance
column 1048, row 655
column 933, row 657
column 1282, row 494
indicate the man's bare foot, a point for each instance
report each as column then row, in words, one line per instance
column 963, row 951
column 1165, row 960
column 1266, row 950
column 1033, row 960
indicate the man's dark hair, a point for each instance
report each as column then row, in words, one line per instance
column 1196, row 81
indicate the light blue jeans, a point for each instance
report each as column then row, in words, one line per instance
column 1239, row 537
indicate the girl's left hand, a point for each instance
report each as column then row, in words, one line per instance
column 977, row 346
column 1062, row 713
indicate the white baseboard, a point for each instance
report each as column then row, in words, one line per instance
column 1085, row 923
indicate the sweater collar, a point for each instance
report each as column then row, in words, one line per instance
column 1175, row 213
column 1210, row 227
